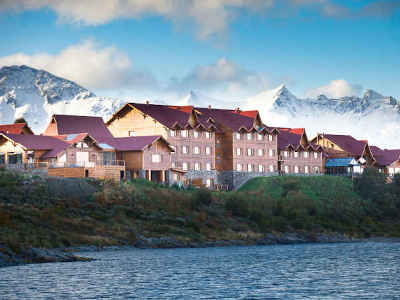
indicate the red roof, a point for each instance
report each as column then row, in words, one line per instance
column 289, row 136
column 347, row 143
column 385, row 157
column 94, row 126
column 39, row 142
column 12, row 128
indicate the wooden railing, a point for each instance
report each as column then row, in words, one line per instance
column 90, row 164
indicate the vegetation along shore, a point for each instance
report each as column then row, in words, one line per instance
column 38, row 214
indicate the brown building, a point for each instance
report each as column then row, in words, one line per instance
column 298, row 156
column 213, row 146
column 387, row 161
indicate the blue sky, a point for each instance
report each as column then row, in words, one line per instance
column 228, row 49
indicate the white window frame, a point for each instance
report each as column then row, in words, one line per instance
column 185, row 166
column 249, row 136
column 197, row 166
column 208, row 166
column 249, row 168
column 239, row 167
column 208, row 135
column 172, row 133
column 316, row 155
column 271, row 152
column 156, row 158
column 184, row 133
column 208, row 182
column 173, row 164
column 270, row 137
column 196, row 134
column 306, row 170
column 286, row 169
column 261, row 169
column 286, row 153
column 259, row 137
column 260, row 152
column 185, row 149
column 271, row 168
column 208, row 150
column 238, row 135
column 296, row 154
column 238, row 151
column 296, row 169
column 131, row 133
column 305, row 154
column 196, row 150
column 249, row 152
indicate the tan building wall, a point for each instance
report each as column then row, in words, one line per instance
column 7, row 147
column 136, row 123
column 51, row 129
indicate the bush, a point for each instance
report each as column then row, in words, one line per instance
column 201, row 197
column 238, row 204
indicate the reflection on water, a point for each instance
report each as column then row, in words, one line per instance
column 314, row 271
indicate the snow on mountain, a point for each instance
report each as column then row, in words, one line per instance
column 200, row 100
column 373, row 116
column 36, row 94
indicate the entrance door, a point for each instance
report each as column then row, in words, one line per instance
column 82, row 158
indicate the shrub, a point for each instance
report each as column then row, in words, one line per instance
column 201, row 197
column 238, row 204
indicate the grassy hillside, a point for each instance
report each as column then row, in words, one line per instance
column 43, row 212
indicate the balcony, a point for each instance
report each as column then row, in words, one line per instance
column 90, row 164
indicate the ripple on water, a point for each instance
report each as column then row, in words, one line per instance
column 313, row 271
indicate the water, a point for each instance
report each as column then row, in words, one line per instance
column 313, row 271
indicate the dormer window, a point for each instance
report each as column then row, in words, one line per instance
column 270, row 137
column 172, row 133
column 238, row 135
column 208, row 135
column 305, row 154
column 249, row 136
column 259, row 137
column 184, row 133
column 196, row 134
column 316, row 155
column 296, row 154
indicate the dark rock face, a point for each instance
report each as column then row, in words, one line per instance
column 13, row 257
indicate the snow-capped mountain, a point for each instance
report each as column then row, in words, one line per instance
column 36, row 94
column 372, row 116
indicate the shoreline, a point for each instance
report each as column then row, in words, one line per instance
column 9, row 257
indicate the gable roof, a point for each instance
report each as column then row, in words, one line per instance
column 16, row 128
column 385, row 157
column 133, row 143
column 39, row 143
column 70, row 124
column 289, row 137
column 232, row 119
column 346, row 142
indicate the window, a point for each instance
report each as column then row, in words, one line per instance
column 185, row 166
column 296, row 154
column 260, row 152
column 238, row 135
column 197, row 166
column 261, row 168
column 270, row 138
column 285, row 153
column 238, row 151
column 249, row 136
column 196, row 150
column 305, row 154
column 271, row 152
column 259, row 137
column 184, row 133
column 208, row 150
column 316, row 170
column 196, row 134
column 286, row 169
column 250, row 168
column 306, row 170
column 271, row 168
column 208, row 166
column 239, row 167
column 208, row 182
column 172, row 133
column 155, row 158
column 131, row 133
column 185, row 149
column 296, row 169
column 175, row 177
column 173, row 165
column 208, row 135
column 249, row 152
column 316, row 155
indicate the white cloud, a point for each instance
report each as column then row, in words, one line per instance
column 336, row 89
column 210, row 16
column 223, row 78
column 87, row 64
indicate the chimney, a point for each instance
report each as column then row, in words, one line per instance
column 147, row 102
column 209, row 106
